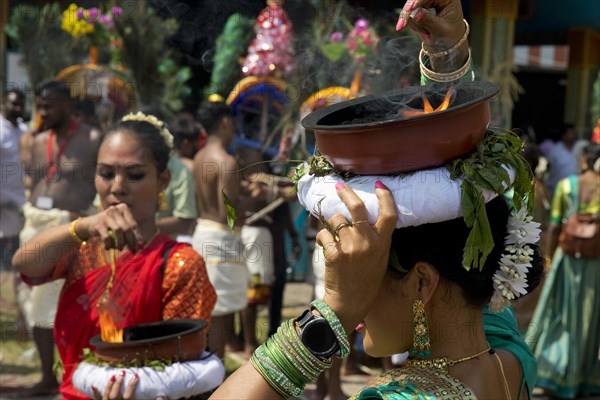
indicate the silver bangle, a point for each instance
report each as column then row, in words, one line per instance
column 444, row 77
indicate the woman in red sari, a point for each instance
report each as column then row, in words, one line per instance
column 117, row 264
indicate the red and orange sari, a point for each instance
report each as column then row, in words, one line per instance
column 167, row 280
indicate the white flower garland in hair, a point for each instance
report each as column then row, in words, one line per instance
column 152, row 120
column 510, row 280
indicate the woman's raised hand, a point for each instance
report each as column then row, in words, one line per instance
column 356, row 257
column 440, row 30
column 115, row 226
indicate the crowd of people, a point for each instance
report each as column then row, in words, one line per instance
column 129, row 226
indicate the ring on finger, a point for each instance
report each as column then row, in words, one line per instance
column 340, row 226
column 359, row 222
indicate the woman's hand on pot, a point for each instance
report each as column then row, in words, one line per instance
column 115, row 225
column 113, row 389
column 356, row 254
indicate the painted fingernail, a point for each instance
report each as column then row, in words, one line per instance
column 409, row 6
column 420, row 15
column 136, row 376
column 426, row 35
column 122, row 373
column 401, row 23
column 379, row 185
column 113, row 378
column 339, row 186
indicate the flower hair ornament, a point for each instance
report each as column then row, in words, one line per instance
column 152, row 120
column 510, row 280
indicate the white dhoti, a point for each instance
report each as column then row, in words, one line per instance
column 39, row 303
column 226, row 269
column 257, row 252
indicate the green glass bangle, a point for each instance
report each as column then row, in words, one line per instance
column 283, row 364
column 294, row 358
column 311, row 364
column 336, row 326
column 273, row 375
column 316, row 363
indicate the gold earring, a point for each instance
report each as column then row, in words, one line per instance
column 162, row 202
column 420, row 331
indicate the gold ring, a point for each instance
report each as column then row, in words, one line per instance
column 113, row 238
column 340, row 226
column 359, row 222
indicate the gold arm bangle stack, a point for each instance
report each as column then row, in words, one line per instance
column 451, row 49
column 73, row 232
column 444, row 77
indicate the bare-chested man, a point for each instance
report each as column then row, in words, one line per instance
column 214, row 171
column 61, row 169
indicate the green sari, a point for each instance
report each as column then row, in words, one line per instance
column 564, row 331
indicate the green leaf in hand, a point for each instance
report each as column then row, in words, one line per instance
column 231, row 214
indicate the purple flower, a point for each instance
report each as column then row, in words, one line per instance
column 93, row 13
column 104, row 19
column 336, row 37
column 79, row 13
column 116, row 11
column 361, row 24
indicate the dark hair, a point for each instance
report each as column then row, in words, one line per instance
column 150, row 139
column 532, row 154
column 210, row 115
column 184, row 128
column 85, row 107
column 55, row 88
column 592, row 154
column 19, row 93
column 441, row 245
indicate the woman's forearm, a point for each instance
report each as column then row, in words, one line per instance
column 245, row 383
column 37, row 257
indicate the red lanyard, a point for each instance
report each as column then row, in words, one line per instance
column 52, row 163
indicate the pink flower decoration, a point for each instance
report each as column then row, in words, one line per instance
column 361, row 24
column 79, row 13
column 93, row 13
column 116, row 11
column 336, row 37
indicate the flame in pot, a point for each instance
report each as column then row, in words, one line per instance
column 427, row 108
column 108, row 329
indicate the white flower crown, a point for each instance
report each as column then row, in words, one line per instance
column 152, row 120
column 510, row 280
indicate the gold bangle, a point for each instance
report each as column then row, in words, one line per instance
column 451, row 49
column 444, row 77
column 73, row 232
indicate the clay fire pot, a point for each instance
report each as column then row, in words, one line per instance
column 383, row 141
column 175, row 340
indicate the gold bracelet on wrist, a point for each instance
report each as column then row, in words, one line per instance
column 444, row 77
column 73, row 232
column 451, row 49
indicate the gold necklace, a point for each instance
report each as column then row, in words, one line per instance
column 113, row 269
column 443, row 363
